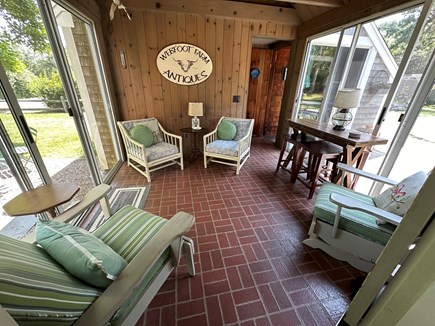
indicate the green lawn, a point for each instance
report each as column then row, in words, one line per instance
column 313, row 97
column 57, row 135
column 428, row 111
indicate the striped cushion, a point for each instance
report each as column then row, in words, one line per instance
column 354, row 221
column 45, row 294
column 35, row 290
column 127, row 231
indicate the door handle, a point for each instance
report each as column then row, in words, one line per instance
column 401, row 117
column 26, row 129
column 382, row 115
column 66, row 106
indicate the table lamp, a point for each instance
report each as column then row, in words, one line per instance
column 196, row 110
column 346, row 99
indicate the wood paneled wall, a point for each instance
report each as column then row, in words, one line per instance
column 142, row 92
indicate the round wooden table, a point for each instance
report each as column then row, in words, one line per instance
column 195, row 152
column 41, row 199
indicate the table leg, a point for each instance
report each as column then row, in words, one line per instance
column 195, row 152
column 352, row 157
column 52, row 212
column 298, row 158
column 361, row 162
column 281, row 154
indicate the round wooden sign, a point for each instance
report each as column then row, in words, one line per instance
column 184, row 64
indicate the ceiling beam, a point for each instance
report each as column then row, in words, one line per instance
column 231, row 9
column 354, row 13
column 318, row 3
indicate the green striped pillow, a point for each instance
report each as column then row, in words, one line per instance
column 127, row 231
column 81, row 253
column 37, row 290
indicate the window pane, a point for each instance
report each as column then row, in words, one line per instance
column 81, row 50
column 385, row 41
column 336, row 76
column 418, row 152
column 318, row 68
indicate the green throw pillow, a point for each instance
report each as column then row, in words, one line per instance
column 80, row 253
column 143, row 135
column 226, row 130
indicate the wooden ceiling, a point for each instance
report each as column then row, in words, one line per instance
column 290, row 3
column 306, row 9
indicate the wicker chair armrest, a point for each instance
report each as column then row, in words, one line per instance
column 210, row 137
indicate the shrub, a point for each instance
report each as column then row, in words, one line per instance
column 49, row 88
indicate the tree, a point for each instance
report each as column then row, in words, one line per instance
column 26, row 54
column 9, row 54
column 24, row 24
column 49, row 87
column 397, row 34
column 320, row 64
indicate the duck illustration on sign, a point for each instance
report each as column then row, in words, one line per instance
column 184, row 64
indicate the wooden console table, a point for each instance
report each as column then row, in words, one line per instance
column 353, row 149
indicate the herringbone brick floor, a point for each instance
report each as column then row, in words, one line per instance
column 252, row 268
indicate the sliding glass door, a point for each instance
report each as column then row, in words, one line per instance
column 84, row 67
column 413, row 148
column 57, row 123
column 386, row 58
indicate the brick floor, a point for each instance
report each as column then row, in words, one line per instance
column 252, row 268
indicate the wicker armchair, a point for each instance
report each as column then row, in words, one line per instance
column 166, row 150
column 230, row 152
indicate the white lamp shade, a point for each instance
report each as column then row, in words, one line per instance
column 348, row 98
column 196, row 109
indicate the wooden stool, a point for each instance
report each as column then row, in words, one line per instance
column 293, row 139
column 319, row 152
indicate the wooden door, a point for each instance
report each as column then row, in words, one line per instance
column 258, row 88
column 280, row 59
column 266, row 90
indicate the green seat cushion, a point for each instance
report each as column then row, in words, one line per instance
column 353, row 221
column 36, row 290
column 81, row 253
column 143, row 135
column 226, row 130
column 127, row 232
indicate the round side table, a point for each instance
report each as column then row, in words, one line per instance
column 195, row 152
